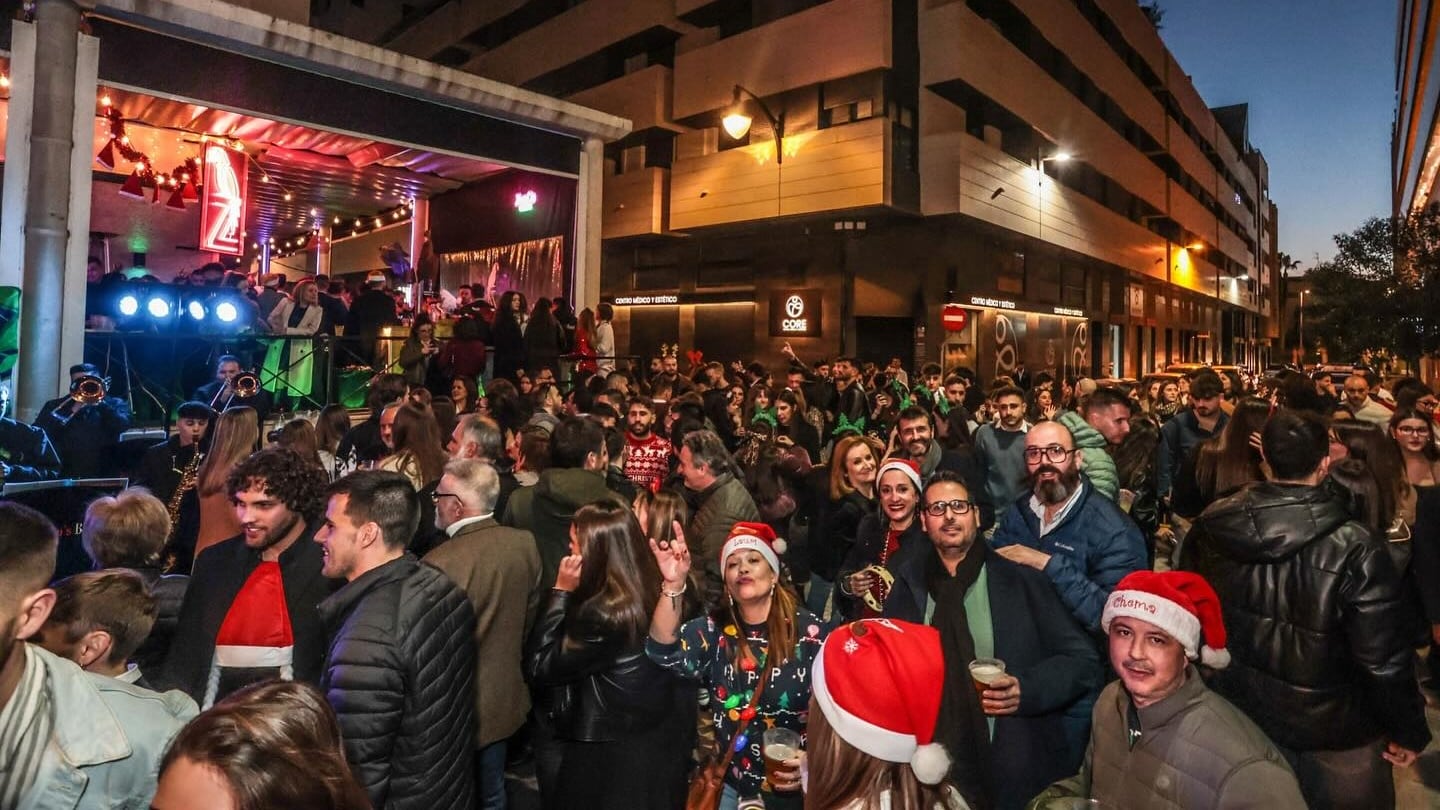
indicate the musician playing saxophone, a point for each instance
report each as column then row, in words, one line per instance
column 164, row 464
column 85, row 425
column 26, row 453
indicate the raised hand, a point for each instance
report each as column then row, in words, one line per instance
column 673, row 558
column 568, row 577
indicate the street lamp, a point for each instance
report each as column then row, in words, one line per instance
column 737, row 122
column 1302, row 328
column 1059, row 157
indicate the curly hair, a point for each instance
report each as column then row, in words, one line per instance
column 284, row 474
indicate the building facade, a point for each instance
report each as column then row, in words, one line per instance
column 1415, row 137
column 1044, row 164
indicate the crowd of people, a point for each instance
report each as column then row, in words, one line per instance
column 830, row 585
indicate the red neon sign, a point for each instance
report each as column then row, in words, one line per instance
column 222, row 206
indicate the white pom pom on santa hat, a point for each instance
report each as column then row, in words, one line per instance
column 930, row 763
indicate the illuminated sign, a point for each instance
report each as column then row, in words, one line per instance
column 222, row 206
column 795, row 313
column 1070, row 311
column 997, row 303
column 646, row 300
column 525, row 201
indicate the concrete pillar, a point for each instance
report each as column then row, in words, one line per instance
column 588, row 213
column 48, row 205
column 419, row 227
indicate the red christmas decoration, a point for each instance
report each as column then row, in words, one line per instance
column 132, row 187
column 177, row 200
column 106, row 157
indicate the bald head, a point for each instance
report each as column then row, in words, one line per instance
column 1048, row 433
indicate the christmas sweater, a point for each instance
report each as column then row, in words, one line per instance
column 704, row 653
column 647, row 460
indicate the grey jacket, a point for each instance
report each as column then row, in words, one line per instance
column 107, row 741
column 717, row 509
column 1196, row 751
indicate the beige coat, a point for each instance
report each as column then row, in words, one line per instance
column 499, row 568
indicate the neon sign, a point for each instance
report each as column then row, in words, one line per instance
column 222, row 206
column 525, row 201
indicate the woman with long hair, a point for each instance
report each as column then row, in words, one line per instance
column 543, row 338
column 790, row 423
column 509, row 336
column 853, row 469
column 1224, row 463
column 274, row 744
column 1169, row 402
column 330, row 427
column 585, row 342
column 418, row 454
column 753, row 655
column 1410, row 428
column 862, row 665
column 206, row 515
column 465, row 394
column 420, row 354
column 881, row 535
column 291, row 363
column 620, row 742
column 758, row 398
column 1381, row 454
column 299, row 435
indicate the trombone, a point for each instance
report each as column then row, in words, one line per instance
column 245, row 385
column 86, row 390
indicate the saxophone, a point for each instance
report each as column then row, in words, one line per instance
column 188, row 478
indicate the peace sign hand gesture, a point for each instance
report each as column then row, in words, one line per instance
column 673, row 558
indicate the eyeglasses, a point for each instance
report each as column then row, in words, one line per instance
column 1053, row 454
column 1410, row 430
column 437, row 495
column 938, row 508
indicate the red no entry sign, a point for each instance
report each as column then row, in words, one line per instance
column 954, row 317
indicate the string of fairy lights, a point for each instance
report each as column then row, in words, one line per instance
column 183, row 185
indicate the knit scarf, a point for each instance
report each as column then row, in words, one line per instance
column 961, row 728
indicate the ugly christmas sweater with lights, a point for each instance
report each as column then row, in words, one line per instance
column 704, row 653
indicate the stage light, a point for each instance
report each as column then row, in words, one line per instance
column 129, row 305
column 158, row 307
column 226, row 312
column 196, row 310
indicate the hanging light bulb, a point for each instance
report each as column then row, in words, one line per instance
column 105, row 100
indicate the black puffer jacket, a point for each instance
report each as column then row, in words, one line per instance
column 1314, row 619
column 400, row 674
column 601, row 688
column 169, row 593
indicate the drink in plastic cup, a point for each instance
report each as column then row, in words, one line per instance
column 778, row 746
column 984, row 672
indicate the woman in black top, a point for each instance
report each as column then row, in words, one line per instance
column 543, row 338
column 509, row 339
column 790, row 416
column 620, row 725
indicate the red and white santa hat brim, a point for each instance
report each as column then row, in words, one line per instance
column 1181, row 604
column 904, row 465
column 757, row 537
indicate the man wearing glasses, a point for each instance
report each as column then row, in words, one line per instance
column 1080, row 540
column 1006, row 740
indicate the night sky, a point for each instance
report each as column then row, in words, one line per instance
column 1319, row 78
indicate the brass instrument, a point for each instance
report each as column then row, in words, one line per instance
column 189, row 477
column 245, row 385
column 86, row 390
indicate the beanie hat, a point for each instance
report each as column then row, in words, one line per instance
column 905, row 465
column 256, row 631
column 195, row 410
column 1180, row 603
column 756, row 536
column 878, row 682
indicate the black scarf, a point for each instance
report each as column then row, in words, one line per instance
column 961, row 728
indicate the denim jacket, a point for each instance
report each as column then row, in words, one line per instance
column 107, row 741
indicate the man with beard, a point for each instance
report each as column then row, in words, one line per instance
column 849, row 393
column 1078, row 538
column 1183, row 433
column 61, row 728
column 1000, row 449
column 1153, row 723
column 647, row 453
column 1007, row 742
column 670, row 374
column 250, row 611
column 914, row 438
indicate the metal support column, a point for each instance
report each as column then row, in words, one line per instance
column 47, row 214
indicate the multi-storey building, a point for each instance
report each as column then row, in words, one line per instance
column 1045, row 165
column 1415, row 139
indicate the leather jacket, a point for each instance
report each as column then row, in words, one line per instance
column 600, row 686
column 1314, row 619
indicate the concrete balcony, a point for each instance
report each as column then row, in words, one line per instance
column 642, row 96
column 636, row 203
column 839, row 168
column 830, row 41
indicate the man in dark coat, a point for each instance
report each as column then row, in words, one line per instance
column 400, row 665
column 220, row 395
column 226, row 636
column 85, row 434
column 1008, row 743
column 164, row 464
column 26, row 453
column 1320, row 656
column 370, row 311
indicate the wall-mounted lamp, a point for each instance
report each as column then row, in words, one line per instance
column 737, row 122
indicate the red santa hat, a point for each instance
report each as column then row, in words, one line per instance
column 256, row 632
column 904, row 465
column 757, row 537
column 1180, row 603
column 878, row 682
